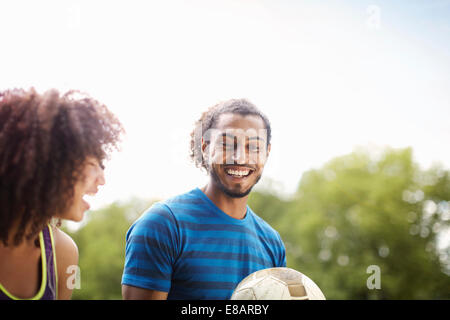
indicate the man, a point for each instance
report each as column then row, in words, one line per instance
column 201, row 244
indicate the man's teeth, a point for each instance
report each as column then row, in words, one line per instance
column 238, row 172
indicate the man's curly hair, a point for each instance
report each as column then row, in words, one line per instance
column 44, row 141
column 209, row 118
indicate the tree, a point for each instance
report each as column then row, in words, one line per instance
column 359, row 211
column 358, row 214
column 101, row 246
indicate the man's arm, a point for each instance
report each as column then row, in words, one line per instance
column 150, row 252
column 135, row 293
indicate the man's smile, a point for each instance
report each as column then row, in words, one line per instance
column 238, row 172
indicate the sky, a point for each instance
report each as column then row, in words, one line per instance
column 330, row 75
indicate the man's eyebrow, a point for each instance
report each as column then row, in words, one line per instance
column 231, row 136
column 256, row 138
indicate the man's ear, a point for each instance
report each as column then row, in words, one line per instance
column 205, row 152
column 204, row 145
column 266, row 156
column 204, row 149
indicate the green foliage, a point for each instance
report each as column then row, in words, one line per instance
column 101, row 246
column 356, row 211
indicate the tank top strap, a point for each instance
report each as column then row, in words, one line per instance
column 52, row 280
column 49, row 275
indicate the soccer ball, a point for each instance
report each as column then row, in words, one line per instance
column 277, row 284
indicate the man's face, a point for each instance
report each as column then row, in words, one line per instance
column 236, row 153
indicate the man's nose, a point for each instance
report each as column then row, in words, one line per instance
column 239, row 154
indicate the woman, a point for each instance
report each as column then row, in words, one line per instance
column 51, row 151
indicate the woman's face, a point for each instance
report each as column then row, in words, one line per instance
column 91, row 177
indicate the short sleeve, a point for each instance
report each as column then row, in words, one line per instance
column 151, row 250
column 282, row 254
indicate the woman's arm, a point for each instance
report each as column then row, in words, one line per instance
column 66, row 256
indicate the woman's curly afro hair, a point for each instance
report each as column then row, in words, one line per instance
column 44, row 140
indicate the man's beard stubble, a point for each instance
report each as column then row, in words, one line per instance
column 224, row 189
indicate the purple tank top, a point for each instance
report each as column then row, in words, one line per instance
column 47, row 289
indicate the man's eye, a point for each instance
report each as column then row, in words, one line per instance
column 228, row 145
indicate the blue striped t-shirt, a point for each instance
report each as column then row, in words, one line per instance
column 188, row 247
